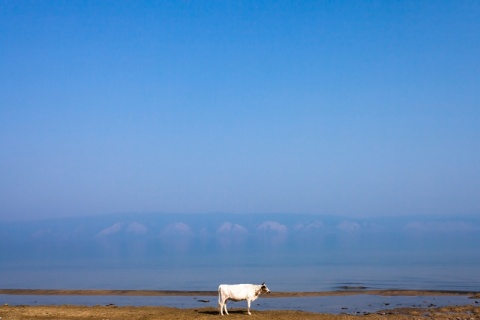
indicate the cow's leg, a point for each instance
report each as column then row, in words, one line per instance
column 221, row 302
column 248, row 307
column 225, row 306
column 220, row 305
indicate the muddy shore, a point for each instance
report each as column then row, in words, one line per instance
column 113, row 312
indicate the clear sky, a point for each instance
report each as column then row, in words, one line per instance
column 354, row 108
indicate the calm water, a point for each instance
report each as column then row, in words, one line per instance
column 278, row 278
column 288, row 252
column 206, row 277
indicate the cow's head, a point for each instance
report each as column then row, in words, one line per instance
column 264, row 288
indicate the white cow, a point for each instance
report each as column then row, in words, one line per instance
column 237, row 292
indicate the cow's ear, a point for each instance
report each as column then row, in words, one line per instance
column 263, row 284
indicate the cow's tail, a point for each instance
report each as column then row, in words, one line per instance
column 221, row 304
column 219, row 297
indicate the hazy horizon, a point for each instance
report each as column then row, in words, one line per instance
column 148, row 236
column 197, row 252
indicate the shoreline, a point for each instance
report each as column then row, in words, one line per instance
column 187, row 293
column 383, row 304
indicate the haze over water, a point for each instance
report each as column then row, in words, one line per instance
column 198, row 252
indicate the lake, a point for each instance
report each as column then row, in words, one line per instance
column 290, row 252
column 207, row 278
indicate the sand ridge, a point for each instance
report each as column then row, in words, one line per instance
column 101, row 292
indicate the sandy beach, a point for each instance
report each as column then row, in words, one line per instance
column 114, row 312
column 144, row 313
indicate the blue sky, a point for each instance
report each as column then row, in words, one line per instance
column 363, row 108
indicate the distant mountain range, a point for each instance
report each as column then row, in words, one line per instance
column 156, row 236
